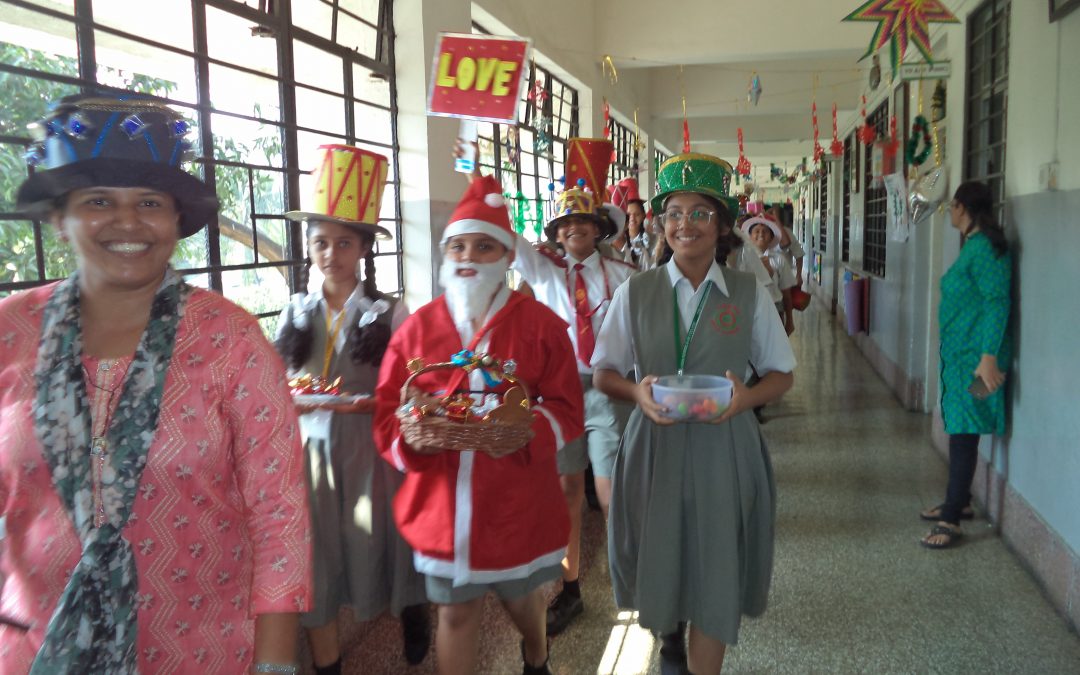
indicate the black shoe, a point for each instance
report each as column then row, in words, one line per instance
column 416, row 633
column 541, row 669
column 562, row 611
column 673, row 653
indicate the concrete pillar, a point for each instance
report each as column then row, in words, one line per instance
column 429, row 187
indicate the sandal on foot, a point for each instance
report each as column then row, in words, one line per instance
column 950, row 533
column 934, row 514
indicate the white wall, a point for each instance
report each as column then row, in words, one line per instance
column 1037, row 457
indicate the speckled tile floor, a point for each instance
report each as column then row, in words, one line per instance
column 853, row 592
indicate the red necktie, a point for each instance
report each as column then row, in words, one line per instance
column 586, row 341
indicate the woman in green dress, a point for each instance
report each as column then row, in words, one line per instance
column 690, row 533
column 975, row 346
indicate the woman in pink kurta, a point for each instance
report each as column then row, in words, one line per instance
column 209, row 515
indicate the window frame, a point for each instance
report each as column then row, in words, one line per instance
column 276, row 24
column 875, row 201
column 549, row 163
column 977, row 126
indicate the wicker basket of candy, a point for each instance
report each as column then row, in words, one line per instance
column 455, row 421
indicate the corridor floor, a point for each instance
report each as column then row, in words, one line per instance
column 853, row 592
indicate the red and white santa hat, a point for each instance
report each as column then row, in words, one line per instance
column 482, row 210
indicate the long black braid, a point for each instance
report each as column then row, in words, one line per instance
column 294, row 344
column 368, row 344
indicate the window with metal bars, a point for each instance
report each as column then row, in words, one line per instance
column 530, row 157
column 659, row 157
column 987, row 97
column 875, row 201
column 627, row 153
column 823, row 211
column 262, row 83
column 850, row 170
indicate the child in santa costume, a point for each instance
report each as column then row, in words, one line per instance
column 574, row 279
column 483, row 521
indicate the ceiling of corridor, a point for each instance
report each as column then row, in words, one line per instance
column 798, row 49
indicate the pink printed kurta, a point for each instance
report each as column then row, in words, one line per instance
column 220, row 527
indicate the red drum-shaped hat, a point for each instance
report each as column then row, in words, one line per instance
column 624, row 192
column 349, row 189
column 589, row 158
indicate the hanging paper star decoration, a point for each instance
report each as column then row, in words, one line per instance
column 900, row 22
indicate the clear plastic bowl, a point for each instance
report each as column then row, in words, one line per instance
column 693, row 398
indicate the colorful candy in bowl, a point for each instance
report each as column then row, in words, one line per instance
column 693, row 398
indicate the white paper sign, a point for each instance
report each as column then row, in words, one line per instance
column 897, row 220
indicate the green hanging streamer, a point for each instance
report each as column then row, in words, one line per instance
column 519, row 213
column 538, row 217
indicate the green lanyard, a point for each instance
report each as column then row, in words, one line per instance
column 683, row 346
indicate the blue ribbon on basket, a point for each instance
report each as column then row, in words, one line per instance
column 468, row 361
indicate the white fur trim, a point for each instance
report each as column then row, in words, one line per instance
column 494, row 200
column 473, row 226
column 556, row 428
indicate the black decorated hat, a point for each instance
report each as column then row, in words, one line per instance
column 114, row 140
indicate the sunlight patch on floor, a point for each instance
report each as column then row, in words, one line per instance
column 629, row 649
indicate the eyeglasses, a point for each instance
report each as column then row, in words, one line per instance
column 695, row 217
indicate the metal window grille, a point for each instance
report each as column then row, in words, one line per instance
column 659, row 157
column 850, row 170
column 987, row 97
column 627, row 152
column 530, row 157
column 875, row 201
column 263, row 83
column 823, row 210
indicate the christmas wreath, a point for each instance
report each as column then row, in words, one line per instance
column 919, row 145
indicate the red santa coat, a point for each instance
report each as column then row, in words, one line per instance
column 467, row 516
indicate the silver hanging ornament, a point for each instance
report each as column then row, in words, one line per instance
column 753, row 93
column 927, row 195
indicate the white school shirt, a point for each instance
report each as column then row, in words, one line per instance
column 783, row 274
column 796, row 248
column 355, row 307
column 747, row 258
column 770, row 350
column 549, row 284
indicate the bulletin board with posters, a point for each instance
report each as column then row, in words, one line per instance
column 480, row 77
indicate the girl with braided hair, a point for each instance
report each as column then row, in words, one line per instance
column 341, row 330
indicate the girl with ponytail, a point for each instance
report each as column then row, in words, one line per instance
column 976, row 348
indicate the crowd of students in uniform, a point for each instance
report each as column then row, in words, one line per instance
column 169, row 504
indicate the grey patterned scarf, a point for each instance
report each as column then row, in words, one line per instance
column 92, row 629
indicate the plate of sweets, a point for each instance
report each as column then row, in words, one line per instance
column 692, row 398
column 315, row 391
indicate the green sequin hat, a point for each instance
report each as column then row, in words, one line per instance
column 695, row 172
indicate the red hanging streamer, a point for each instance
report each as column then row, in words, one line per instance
column 837, row 147
column 894, row 142
column 867, row 133
column 607, row 120
column 685, row 136
column 819, row 151
column 743, row 167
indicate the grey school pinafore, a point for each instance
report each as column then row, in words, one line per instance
column 359, row 558
column 690, row 535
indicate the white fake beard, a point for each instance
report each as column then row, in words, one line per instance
column 468, row 298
